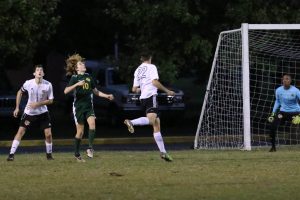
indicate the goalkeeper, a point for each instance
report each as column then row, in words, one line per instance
column 287, row 99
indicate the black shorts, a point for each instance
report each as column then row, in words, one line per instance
column 285, row 116
column 150, row 105
column 42, row 120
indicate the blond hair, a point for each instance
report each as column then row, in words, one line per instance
column 71, row 63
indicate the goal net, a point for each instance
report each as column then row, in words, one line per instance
column 247, row 68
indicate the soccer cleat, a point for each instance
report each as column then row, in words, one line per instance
column 49, row 156
column 166, row 157
column 79, row 159
column 273, row 149
column 90, row 152
column 129, row 125
column 11, row 157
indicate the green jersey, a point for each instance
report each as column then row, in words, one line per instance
column 83, row 95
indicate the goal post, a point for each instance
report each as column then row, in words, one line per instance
column 246, row 86
column 246, row 69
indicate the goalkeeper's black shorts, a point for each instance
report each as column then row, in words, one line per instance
column 285, row 116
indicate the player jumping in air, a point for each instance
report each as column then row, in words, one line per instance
column 146, row 82
column 83, row 86
column 287, row 99
column 40, row 94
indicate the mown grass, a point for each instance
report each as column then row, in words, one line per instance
column 143, row 175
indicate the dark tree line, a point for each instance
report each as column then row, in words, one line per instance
column 182, row 34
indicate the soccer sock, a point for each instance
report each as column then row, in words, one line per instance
column 48, row 147
column 14, row 146
column 140, row 121
column 159, row 141
column 273, row 136
column 92, row 133
column 77, row 146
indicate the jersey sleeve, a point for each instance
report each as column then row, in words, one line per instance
column 135, row 80
column 50, row 92
column 298, row 94
column 24, row 87
column 72, row 81
column 153, row 73
column 277, row 102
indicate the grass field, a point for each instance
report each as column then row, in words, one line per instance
column 129, row 175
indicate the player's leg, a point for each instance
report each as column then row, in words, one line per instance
column 17, row 139
column 141, row 121
column 25, row 123
column 152, row 115
column 91, row 136
column 78, row 138
column 273, row 130
column 79, row 121
column 48, row 143
column 158, row 137
column 45, row 124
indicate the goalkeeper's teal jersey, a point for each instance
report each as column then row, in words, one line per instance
column 287, row 99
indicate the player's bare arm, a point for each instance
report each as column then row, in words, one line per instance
column 101, row 94
column 136, row 89
column 18, row 100
column 34, row 105
column 72, row 87
column 159, row 86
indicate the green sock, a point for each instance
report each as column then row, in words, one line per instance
column 92, row 133
column 77, row 146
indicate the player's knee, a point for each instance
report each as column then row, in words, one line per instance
column 92, row 126
column 79, row 135
column 152, row 121
column 48, row 134
column 20, row 132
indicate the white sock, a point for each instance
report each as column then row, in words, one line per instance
column 48, row 147
column 14, row 146
column 159, row 141
column 140, row 121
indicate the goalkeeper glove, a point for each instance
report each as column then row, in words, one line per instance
column 272, row 117
column 296, row 119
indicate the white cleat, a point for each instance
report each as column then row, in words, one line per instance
column 90, row 153
column 129, row 125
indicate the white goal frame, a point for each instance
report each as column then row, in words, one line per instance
column 245, row 27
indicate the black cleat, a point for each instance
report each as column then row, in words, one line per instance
column 11, row 157
column 273, row 149
column 79, row 159
column 49, row 156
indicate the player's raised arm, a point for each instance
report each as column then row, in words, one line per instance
column 104, row 95
column 72, row 87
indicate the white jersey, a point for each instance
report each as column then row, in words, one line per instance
column 36, row 93
column 143, row 77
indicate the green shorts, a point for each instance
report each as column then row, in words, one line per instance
column 81, row 115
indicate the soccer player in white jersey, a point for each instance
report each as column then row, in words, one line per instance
column 40, row 94
column 146, row 82
column 287, row 101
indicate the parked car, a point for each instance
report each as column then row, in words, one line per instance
column 126, row 104
column 8, row 97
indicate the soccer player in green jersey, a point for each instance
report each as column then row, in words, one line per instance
column 83, row 87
